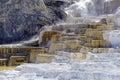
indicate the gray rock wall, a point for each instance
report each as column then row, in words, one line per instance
column 21, row 19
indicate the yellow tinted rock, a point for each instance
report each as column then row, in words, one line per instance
column 44, row 58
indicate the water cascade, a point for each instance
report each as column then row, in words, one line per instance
column 114, row 38
column 82, row 48
column 82, row 8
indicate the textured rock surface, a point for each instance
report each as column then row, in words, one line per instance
column 21, row 19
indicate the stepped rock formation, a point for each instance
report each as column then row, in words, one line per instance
column 84, row 47
column 21, row 19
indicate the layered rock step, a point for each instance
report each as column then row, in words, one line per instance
column 78, row 38
column 76, row 35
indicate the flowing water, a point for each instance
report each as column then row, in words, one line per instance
column 88, row 9
column 82, row 8
column 114, row 38
column 103, row 67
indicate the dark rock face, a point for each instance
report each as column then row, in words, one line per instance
column 21, row 19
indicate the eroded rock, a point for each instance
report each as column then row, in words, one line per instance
column 22, row 19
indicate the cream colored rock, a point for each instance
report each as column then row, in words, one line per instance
column 35, row 52
column 56, row 47
column 55, row 37
column 16, row 60
column 72, row 44
column 78, row 56
column 95, row 43
column 44, row 58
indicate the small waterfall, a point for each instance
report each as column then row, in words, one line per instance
column 108, row 0
column 117, row 17
column 86, row 8
column 118, row 11
column 114, row 38
column 82, row 8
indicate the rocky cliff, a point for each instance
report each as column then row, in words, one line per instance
column 21, row 19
